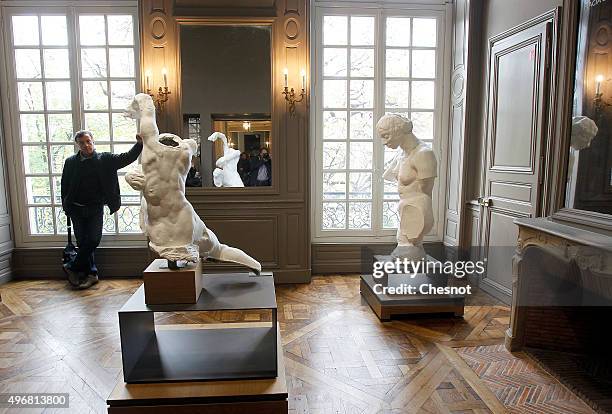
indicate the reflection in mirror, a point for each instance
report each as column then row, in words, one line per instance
column 589, row 172
column 226, row 103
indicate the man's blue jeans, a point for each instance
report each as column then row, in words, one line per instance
column 87, row 224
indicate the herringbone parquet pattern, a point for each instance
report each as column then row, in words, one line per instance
column 339, row 358
column 519, row 383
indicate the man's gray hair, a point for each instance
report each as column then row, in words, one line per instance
column 82, row 133
column 394, row 123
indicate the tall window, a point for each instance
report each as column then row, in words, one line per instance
column 72, row 70
column 370, row 63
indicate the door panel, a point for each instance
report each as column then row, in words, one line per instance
column 516, row 129
column 512, row 129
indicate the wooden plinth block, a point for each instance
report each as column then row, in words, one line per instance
column 163, row 285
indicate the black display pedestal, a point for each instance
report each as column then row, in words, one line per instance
column 217, row 353
column 385, row 306
column 207, row 397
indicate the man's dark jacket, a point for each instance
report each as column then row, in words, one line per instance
column 106, row 164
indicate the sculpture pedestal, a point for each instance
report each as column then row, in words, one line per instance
column 163, row 285
column 211, row 397
column 387, row 305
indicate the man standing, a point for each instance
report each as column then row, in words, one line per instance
column 261, row 169
column 89, row 181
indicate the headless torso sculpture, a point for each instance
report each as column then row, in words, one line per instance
column 174, row 229
column 226, row 173
column 414, row 169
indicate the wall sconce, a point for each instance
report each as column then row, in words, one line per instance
column 290, row 94
column 162, row 93
column 598, row 101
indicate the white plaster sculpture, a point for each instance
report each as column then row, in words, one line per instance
column 226, row 173
column 174, row 229
column 414, row 169
column 584, row 130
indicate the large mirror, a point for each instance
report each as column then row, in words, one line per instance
column 589, row 173
column 226, row 103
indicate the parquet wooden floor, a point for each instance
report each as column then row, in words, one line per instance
column 339, row 358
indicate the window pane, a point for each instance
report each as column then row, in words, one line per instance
column 398, row 63
column 93, row 63
column 25, row 31
column 58, row 96
column 360, row 185
column 57, row 190
column 396, row 94
column 33, row 128
column 121, row 63
column 361, row 155
column 334, row 216
column 334, row 94
column 98, row 125
column 362, row 124
column 335, row 30
column 27, row 63
column 362, row 62
column 334, row 125
column 54, row 31
column 35, row 159
column 124, row 129
column 60, row 127
column 390, row 215
column 38, row 190
column 423, row 125
column 334, row 155
column 362, row 94
column 390, row 190
column 108, row 226
column 59, row 153
column 41, row 220
column 334, row 62
column 423, row 95
column 95, row 95
column 92, row 30
column 30, row 96
column 129, row 219
column 390, row 155
column 423, row 63
column 60, row 221
column 424, row 32
column 56, row 63
column 398, row 31
column 103, row 147
column 122, row 94
column 334, row 185
column 362, row 31
column 360, row 215
column 120, row 30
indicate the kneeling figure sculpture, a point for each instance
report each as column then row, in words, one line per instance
column 174, row 229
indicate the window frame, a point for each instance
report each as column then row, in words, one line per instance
column 376, row 234
column 11, row 112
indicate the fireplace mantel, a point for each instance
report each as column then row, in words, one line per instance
column 579, row 264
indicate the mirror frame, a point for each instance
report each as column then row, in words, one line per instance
column 236, row 21
column 593, row 219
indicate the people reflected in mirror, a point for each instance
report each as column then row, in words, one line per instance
column 194, row 178
column 89, row 181
column 260, row 166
